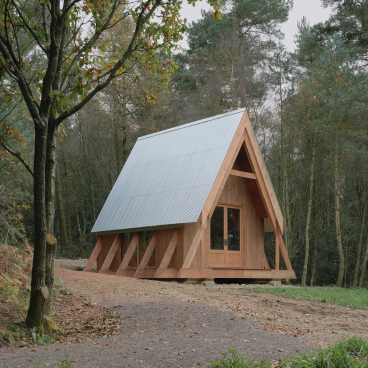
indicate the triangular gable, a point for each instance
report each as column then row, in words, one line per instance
column 245, row 135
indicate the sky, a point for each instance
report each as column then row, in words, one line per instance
column 311, row 9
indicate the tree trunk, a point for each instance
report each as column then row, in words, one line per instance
column 61, row 212
column 37, row 302
column 50, row 210
column 76, row 212
column 357, row 267
column 314, row 267
column 364, row 266
column 115, row 122
column 337, row 213
column 66, row 195
column 305, row 267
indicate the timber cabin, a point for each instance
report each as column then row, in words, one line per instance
column 192, row 202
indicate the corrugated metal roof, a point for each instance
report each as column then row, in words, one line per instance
column 168, row 175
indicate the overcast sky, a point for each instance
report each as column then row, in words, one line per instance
column 311, row 9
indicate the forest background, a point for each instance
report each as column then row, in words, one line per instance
column 308, row 108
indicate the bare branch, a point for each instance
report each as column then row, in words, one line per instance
column 141, row 20
column 45, row 23
column 30, row 29
column 18, row 155
column 68, row 7
column 89, row 44
column 23, row 85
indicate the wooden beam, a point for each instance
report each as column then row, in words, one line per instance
column 192, row 249
column 94, row 255
column 265, row 194
column 212, row 273
column 260, row 169
column 166, row 273
column 243, row 174
column 110, row 256
column 225, row 169
column 277, row 253
column 203, row 250
column 266, row 264
column 128, row 254
column 127, row 273
column 147, row 254
column 169, row 253
column 284, row 253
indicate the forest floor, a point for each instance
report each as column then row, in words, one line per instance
column 166, row 324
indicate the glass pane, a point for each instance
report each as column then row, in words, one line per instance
column 233, row 228
column 217, row 229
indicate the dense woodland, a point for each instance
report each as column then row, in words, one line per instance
column 309, row 110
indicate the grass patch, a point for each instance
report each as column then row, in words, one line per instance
column 65, row 363
column 355, row 298
column 352, row 353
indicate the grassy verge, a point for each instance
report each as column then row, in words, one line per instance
column 355, row 298
column 352, row 353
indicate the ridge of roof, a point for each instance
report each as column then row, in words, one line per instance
column 187, row 125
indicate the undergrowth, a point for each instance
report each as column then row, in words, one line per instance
column 15, row 286
column 352, row 353
column 354, row 298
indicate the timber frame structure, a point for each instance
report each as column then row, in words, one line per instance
column 223, row 237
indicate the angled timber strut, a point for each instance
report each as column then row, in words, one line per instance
column 193, row 202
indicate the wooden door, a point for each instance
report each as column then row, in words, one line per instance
column 225, row 243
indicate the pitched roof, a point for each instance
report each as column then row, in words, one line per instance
column 168, row 175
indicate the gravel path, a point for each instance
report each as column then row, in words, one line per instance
column 165, row 333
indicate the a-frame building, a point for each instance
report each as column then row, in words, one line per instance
column 192, row 202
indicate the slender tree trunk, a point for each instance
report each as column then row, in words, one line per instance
column 305, row 267
column 76, row 212
column 364, row 266
column 39, row 292
column 314, row 267
column 66, row 195
column 50, row 210
column 337, row 213
column 362, row 230
column 125, row 123
column 116, row 126
column 59, row 198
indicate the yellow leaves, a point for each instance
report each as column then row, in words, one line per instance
column 18, row 138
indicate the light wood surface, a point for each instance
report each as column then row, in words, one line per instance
column 147, row 254
column 193, row 248
column 96, row 251
column 243, row 174
column 169, row 253
column 110, row 256
column 128, row 254
column 224, row 171
column 211, row 273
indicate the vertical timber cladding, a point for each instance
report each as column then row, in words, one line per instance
column 236, row 193
column 163, row 240
column 107, row 241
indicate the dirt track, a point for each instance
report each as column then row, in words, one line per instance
column 173, row 325
column 319, row 324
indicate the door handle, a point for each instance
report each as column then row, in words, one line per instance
column 225, row 242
